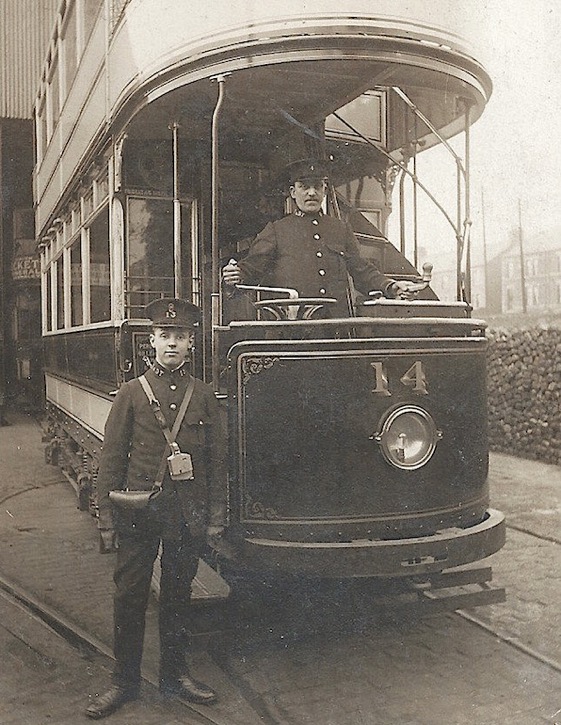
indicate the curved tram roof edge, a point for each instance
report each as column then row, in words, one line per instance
column 319, row 43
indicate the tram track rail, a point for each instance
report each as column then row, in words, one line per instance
column 83, row 640
column 80, row 639
column 509, row 639
column 529, row 532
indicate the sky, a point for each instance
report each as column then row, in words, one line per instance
column 516, row 144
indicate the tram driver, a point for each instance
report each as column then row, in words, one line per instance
column 310, row 251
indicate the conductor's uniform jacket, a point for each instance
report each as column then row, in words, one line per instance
column 134, row 445
column 314, row 254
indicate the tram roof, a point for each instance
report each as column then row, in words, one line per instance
column 269, row 98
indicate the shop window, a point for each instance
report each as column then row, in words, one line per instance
column 100, row 290
column 76, row 296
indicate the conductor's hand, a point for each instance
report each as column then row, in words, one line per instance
column 402, row 289
column 231, row 273
column 107, row 541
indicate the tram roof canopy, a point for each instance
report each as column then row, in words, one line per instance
column 270, row 100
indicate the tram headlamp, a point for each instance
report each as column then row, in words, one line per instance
column 408, row 437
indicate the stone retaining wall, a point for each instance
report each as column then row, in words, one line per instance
column 524, row 389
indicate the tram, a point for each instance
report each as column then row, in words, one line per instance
column 358, row 445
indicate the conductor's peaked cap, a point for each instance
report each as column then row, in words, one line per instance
column 307, row 169
column 168, row 312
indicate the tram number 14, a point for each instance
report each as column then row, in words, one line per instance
column 413, row 378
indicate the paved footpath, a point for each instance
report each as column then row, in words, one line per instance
column 439, row 671
column 49, row 552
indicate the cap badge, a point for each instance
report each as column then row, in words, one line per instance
column 171, row 311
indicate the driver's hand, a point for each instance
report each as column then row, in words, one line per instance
column 231, row 273
column 404, row 289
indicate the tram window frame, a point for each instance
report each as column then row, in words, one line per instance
column 70, row 46
column 53, row 296
column 59, row 309
column 47, row 299
column 190, row 244
column 105, row 299
column 76, row 290
column 375, row 101
column 42, row 131
column 100, row 191
column 53, row 94
column 75, row 218
column 87, row 206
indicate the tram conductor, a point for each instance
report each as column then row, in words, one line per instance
column 180, row 514
column 310, row 251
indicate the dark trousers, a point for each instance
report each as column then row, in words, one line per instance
column 133, row 572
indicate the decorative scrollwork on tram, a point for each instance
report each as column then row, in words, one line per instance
column 255, row 365
column 257, row 510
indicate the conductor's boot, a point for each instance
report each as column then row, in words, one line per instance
column 110, row 701
column 187, row 688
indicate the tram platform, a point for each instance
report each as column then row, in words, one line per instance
column 50, row 560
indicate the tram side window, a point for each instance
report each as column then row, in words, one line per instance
column 54, row 96
column 76, row 311
column 59, row 294
column 69, row 39
column 150, row 263
column 48, row 294
column 100, row 290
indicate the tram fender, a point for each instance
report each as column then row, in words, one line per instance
column 384, row 558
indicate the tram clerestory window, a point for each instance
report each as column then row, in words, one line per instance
column 100, row 290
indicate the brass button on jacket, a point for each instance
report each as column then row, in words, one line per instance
column 285, row 254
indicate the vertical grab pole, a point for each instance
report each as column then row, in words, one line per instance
column 402, row 212
column 459, row 238
column 415, row 199
column 177, row 271
column 216, row 297
column 467, row 204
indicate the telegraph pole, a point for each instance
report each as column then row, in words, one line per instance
column 522, row 268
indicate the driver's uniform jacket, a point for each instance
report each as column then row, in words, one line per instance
column 134, row 445
column 314, row 254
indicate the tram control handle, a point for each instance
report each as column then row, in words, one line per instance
column 293, row 307
column 421, row 283
column 305, row 308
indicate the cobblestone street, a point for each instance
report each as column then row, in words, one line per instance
column 441, row 670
